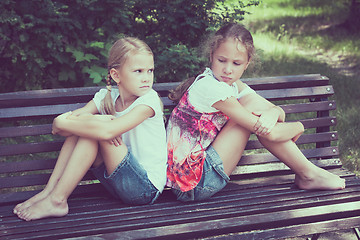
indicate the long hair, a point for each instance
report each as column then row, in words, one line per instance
column 230, row 30
column 118, row 53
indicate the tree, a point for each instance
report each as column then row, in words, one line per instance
column 64, row 43
column 352, row 23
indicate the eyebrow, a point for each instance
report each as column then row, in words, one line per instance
column 234, row 60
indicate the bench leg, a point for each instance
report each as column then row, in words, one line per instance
column 357, row 233
column 314, row 236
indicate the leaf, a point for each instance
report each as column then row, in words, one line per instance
column 89, row 57
column 96, row 77
column 63, row 76
column 79, row 56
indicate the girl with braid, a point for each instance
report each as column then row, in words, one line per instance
column 120, row 132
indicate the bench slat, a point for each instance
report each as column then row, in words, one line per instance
column 319, row 122
column 260, row 169
column 37, row 111
column 20, row 131
column 51, row 110
column 38, row 97
column 309, row 80
column 31, row 180
column 325, row 152
column 304, row 139
column 297, row 230
column 296, row 93
column 35, row 147
column 309, row 107
column 27, row 165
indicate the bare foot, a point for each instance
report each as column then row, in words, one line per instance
column 24, row 205
column 320, row 180
column 44, row 208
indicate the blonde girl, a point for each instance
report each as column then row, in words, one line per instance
column 120, row 132
column 209, row 128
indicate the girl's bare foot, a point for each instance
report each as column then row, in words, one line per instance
column 320, row 179
column 24, row 205
column 47, row 207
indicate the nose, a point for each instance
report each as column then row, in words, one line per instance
column 147, row 77
column 227, row 69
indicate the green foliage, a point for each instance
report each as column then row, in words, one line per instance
column 60, row 43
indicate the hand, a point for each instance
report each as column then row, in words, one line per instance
column 266, row 122
column 116, row 141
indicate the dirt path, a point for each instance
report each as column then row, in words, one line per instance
column 342, row 64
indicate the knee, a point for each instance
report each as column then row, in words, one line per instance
column 271, row 137
column 301, row 127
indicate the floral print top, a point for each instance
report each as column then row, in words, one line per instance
column 191, row 132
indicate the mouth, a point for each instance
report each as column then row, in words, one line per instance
column 145, row 87
column 225, row 79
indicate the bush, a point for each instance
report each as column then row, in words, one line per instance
column 61, row 43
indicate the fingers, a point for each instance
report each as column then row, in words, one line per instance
column 257, row 113
column 116, row 141
column 262, row 129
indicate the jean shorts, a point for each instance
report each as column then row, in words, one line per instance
column 213, row 179
column 128, row 182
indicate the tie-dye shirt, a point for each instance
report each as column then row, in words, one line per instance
column 193, row 126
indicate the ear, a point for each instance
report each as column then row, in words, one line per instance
column 115, row 75
column 211, row 59
column 247, row 65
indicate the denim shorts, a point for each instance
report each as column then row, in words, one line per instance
column 128, row 182
column 213, row 179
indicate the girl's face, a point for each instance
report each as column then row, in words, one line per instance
column 229, row 61
column 136, row 75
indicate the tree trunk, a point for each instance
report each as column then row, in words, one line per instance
column 352, row 23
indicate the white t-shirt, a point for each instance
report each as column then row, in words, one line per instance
column 208, row 90
column 147, row 141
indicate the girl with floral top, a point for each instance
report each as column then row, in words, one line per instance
column 209, row 128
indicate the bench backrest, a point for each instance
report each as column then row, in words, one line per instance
column 28, row 151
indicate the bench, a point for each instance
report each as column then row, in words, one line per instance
column 260, row 202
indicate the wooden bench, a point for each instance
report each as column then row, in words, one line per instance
column 260, row 202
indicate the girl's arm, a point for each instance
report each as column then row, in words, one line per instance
column 236, row 111
column 268, row 113
column 89, row 109
column 104, row 130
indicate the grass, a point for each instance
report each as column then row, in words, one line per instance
column 303, row 37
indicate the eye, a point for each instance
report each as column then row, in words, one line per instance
column 238, row 63
column 151, row 70
column 138, row 71
column 221, row 60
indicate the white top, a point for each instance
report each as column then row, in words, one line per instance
column 208, row 90
column 147, row 141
